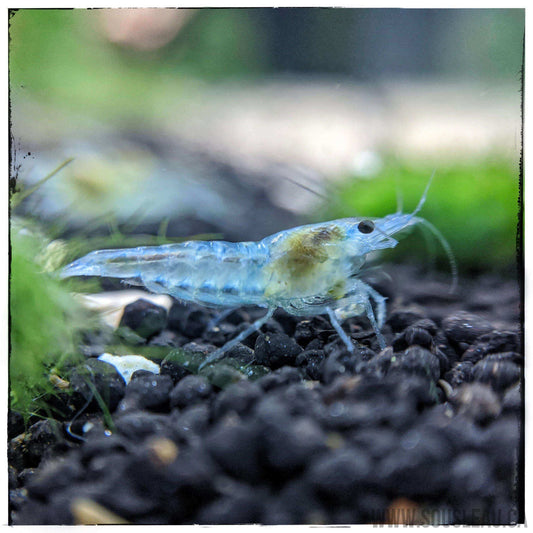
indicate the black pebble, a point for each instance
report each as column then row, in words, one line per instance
column 234, row 444
column 241, row 353
column 198, row 347
column 276, row 350
column 196, row 323
column 139, row 374
column 138, row 425
column 150, row 391
column 412, row 335
column 461, row 372
column 15, row 424
column 300, row 399
column 339, row 362
column 442, row 343
column 167, row 338
column 188, row 319
column 500, row 341
column 238, row 398
column 427, row 324
column 296, row 503
column 378, row 441
column 144, row 318
column 465, row 327
column 476, row 401
column 280, row 377
column 311, row 361
column 272, row 407
column 417, row 361
column 177, row 315
column 444, row 361
column 174, row 370
column 380, row 364
column 501, row 440
column 398, row 320
column 239, row 504
column 307, row 330
column 17, row 498
column 104, row 377
column 286, row 321
column 288, row 445
column 340, row 474
column 499, row 374
column 470, row 477
column 12, row 477
column 218, row 334
column 43, row 439
column 459, row 432
column 513, row 357
column 191, row 422
column 190, row 390
column 417, row 335
column 419, row 467
column 54, row 476
column 512, row 401
column 85, row 425
column 122, row 497
column 101, row 444
column 25, row 476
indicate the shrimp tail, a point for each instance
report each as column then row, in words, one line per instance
column 124, row 264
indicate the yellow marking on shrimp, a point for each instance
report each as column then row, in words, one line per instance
column 338, row 290
column 305, row 260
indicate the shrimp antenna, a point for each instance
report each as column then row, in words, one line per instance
column 392, row 239
column 451, row 258
column 438, row 235
column 423, row 199
column 316, row 193
column 399, row 197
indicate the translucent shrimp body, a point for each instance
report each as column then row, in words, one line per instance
column 307, row 270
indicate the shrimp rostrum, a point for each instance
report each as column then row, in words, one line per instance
column 308, row 270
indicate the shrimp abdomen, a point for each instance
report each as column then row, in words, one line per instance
column 212, row 273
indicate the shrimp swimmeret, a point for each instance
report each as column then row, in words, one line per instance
column 308, row 270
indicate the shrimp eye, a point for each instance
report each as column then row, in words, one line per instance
column 365, row 226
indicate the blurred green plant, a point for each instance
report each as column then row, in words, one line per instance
column 44, row 320
column 61, row 57
column 473, row 203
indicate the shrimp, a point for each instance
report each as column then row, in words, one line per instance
column 307, row 270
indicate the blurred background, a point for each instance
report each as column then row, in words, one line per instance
column 237, row 123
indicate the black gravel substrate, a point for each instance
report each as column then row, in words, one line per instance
column 426, row 431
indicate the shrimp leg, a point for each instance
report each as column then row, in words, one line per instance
column 354, row 303
column 372, row 318
column 380, row 303
column 342, row 334
column 221, row 316
column 256, row 326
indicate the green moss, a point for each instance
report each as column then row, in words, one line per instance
column 43, row 320
column 473, row 203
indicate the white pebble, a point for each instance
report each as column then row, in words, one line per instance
column 111, row 304
column 126, row 365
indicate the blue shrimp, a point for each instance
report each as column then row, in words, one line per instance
column 307, row 270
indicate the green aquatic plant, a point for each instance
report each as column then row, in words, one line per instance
column 473, row 203
column 44, row 319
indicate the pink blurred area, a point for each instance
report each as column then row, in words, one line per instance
column 142, row 29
